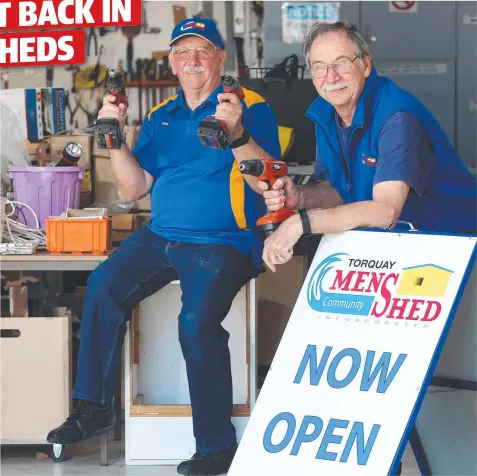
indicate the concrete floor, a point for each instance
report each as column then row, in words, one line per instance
column 22, row 460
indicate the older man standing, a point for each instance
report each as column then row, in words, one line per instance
column 381, row 156
column 202, row 232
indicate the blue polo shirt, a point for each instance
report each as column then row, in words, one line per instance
column 198, row 194
column 405, row 152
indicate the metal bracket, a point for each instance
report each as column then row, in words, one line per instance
column 394, row 222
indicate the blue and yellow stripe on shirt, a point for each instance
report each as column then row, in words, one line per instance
column 237, row 181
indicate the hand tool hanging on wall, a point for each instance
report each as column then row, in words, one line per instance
column 145, row 77
column 239, row 36
column 259, row 51
column 258, row 8
column 104, row 30
column 130, row 32
column 242, row 69
column 49, row 76
column 145, row 27
column 69, row 108
column 139, row 78
column 92, row 38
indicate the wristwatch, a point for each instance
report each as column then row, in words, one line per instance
column 305, row 221
column 242, row 140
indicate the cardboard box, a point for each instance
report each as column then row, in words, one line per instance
column 123, row 224
column 40, row 111
column 277, row 294
column 144, row 204
column 34, row 147
column 131, row 133
column 105, row 190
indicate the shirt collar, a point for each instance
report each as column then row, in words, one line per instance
column 180, row 101
column 323, row 112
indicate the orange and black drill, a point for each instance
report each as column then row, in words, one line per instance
column 212, row 132
column 268, row 171
column 107, row 132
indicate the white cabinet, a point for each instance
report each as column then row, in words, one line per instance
column 158, row 413
column 35, row 378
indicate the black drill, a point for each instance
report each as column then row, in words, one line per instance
column 212, row 132
column 107, row 131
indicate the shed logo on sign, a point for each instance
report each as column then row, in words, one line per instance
column 377, row 288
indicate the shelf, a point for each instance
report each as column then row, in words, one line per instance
column 152, row 83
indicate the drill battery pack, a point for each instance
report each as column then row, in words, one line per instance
column 212, row 133
column 107, row 134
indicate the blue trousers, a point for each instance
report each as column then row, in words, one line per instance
column 210, row 277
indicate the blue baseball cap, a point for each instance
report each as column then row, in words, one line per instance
column 201, row 27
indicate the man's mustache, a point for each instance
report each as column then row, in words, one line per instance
column 193, row 69
column 334, row 87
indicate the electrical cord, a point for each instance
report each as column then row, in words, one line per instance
column 18, row 233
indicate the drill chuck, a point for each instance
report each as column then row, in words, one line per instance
column 115, row 81
column 229, row 82
column 232, row 85
column 252, row 167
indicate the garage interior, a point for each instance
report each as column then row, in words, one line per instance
column 427, row 47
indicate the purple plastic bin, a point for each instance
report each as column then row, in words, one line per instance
column 49, row 191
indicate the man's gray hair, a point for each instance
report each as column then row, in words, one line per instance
column 320, row 28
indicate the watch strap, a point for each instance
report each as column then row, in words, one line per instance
column 242, row 140
column 305, row 221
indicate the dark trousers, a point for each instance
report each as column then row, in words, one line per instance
column 210, row 278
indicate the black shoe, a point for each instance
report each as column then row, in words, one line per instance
column 88, row 419
column 205, row 465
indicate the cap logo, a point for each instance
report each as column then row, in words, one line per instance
column 192, row 24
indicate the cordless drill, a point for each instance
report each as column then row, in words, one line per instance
column 212, row 132
column 107, row 131
column 268, row 171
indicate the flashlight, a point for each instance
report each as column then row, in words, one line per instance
column 71, row 155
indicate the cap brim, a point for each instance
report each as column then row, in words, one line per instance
column 190, row 34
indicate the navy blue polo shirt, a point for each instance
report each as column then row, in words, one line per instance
column 198, row 194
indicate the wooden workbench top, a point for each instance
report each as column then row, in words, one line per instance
column 44, row 261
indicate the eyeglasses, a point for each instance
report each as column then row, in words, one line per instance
column 342, row 66
column 202, row 52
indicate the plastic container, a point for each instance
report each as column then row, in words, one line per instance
column 49, row 191
column 78, row 236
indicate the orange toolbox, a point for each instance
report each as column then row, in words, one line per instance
column 78, row 233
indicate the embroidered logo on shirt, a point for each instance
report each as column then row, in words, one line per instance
column 369, row 161
column 165, row 123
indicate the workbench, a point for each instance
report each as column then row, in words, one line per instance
column 44, row 261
